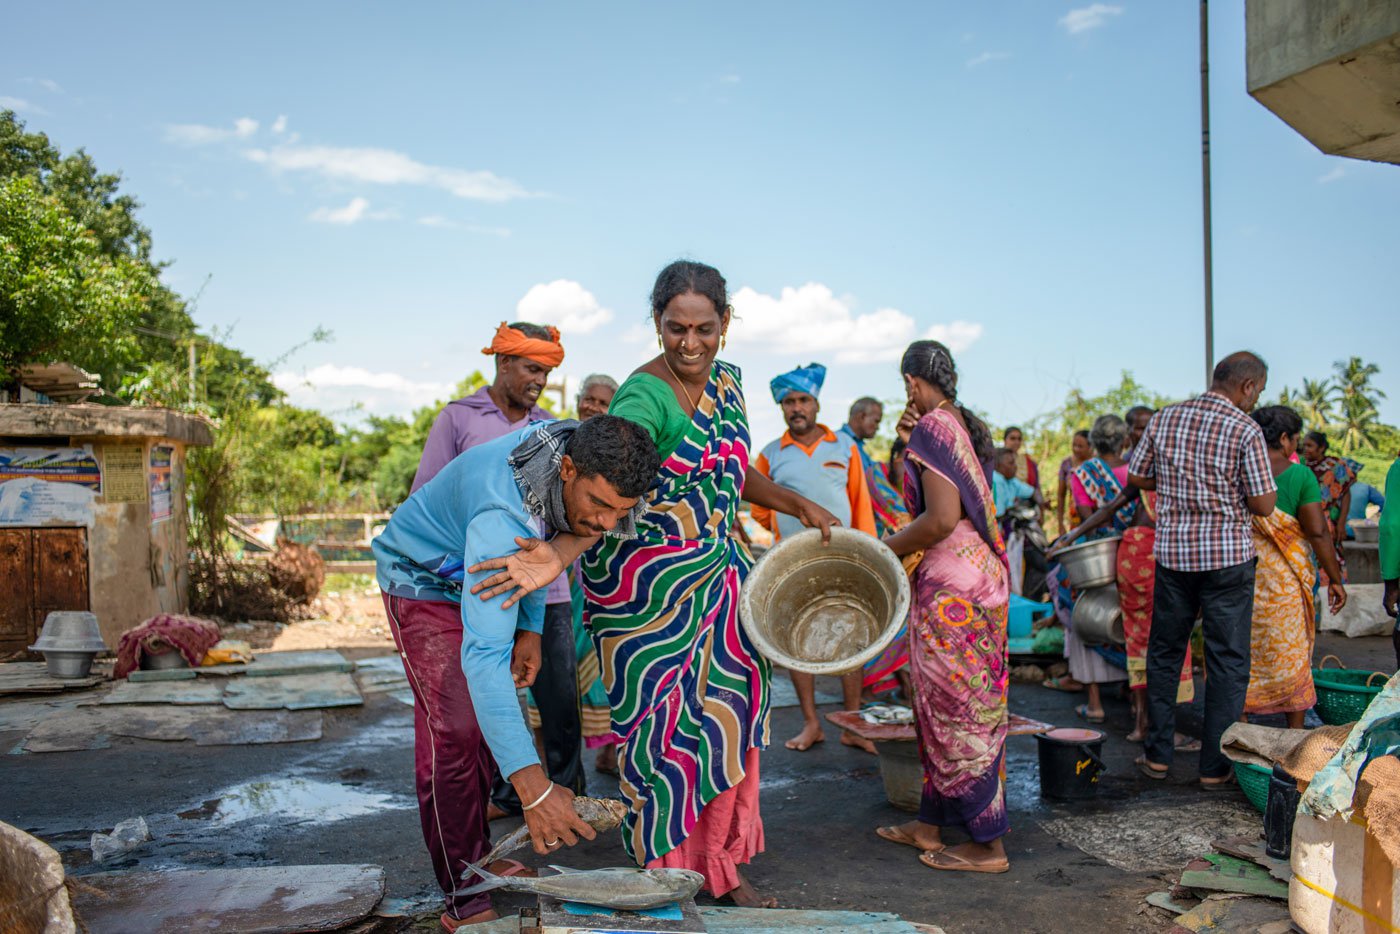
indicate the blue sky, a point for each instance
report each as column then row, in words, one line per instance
column 1020, row 178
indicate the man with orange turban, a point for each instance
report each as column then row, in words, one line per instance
column 525, row 354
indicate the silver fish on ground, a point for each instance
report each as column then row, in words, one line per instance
column 599, row 813
column 622, row 889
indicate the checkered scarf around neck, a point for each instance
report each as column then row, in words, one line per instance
column 535, row 465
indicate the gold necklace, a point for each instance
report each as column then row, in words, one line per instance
column 694, row 406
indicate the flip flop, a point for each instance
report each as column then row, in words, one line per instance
column 1191, row 745
column 1083, row 712
column 893, row 834
column 1145, row 767
column 1221, row 784
column 513, row 867
column 1055, row 685
column 952, row 862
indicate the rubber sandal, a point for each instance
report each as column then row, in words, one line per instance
column 952, row 862
column 1055, row 685
column 893, row 834
column 1083, row 712
column 1145, row 767
column 1222, row 784
column 1191, row 745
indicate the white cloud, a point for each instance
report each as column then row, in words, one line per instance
column 199, row 134
column 49, row 85
column 1336, row 172
column 279, row 126
column 356, row 210
column 811, row 319
column 986, row 57
column 343, row 389
column 564, row 304
column 729, row 79
column 386, row 167
column 20, row 105
column 1082, row 19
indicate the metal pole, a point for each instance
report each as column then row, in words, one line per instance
column 191, row 374
column 1205, row 188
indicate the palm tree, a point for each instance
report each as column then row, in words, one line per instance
column 1289, row 398
column 1354, row 380
column 1317, row 401
column 1359, row 423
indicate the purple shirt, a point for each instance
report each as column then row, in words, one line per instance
column 464, row 424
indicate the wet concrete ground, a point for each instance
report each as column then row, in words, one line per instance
column 348, row 798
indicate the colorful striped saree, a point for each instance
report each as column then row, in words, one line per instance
column 688, row 690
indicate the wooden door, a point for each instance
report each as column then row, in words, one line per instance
column 16, row 590
column 41, row 570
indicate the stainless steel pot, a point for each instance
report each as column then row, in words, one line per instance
column 69, row 640
column 1091, row 564
column 825, row 609
column 1098, row 616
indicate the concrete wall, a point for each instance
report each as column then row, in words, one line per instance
column 1331, row 70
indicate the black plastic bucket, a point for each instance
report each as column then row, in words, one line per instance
column 1070, row 763
column 1279, row 814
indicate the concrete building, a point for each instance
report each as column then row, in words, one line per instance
column 1331, row 70
column 92, row 515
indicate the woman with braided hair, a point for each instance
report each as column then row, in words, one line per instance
column 957, row 621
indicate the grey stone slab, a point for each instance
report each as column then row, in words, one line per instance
column 294, row 692
column 162, row 674
column 33, row 678
column 271, row 664
column 25, row 713
column 165, row 692
column 93, row 727
column 263, row 899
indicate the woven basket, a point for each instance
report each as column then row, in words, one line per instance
column 1254, row 782
column 1343, row 694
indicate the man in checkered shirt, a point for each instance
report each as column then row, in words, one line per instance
column 1207, row 460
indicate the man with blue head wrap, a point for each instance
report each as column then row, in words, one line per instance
column 815, row 462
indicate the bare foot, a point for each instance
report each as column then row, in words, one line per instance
column 495, row 813
column 969, row 857
column 745, row 897
column 915, row 833
column 850, row 739
column 606, row 762
column 811, row 735
column 1136, row 736
column 450, row 924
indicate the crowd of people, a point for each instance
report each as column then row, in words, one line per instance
column 598, row 562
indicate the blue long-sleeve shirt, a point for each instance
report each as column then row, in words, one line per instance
column 470, row 511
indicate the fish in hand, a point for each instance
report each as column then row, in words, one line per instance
column 599, row 813
column 622, row 889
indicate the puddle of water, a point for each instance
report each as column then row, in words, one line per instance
column 296, row 799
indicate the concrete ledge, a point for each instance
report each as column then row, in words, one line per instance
column 113, row 421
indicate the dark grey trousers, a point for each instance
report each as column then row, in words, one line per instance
column 1224, row 599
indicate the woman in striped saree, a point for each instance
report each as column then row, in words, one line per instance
column 688, row 690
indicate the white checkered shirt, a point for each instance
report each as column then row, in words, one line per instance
column 1207, row 456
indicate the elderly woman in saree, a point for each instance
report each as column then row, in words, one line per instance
column 1335, row 476
column 1281, row 637
column 957, row 621
column 687, row 689
column 1094, row 484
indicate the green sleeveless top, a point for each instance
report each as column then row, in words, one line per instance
column 651, row 402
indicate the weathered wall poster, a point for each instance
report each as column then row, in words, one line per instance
column 162, row 462
column 48, row 486
column 123, row 473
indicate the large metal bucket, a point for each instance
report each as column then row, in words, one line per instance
column 1091, row 564
column 1098, row 616
column 826, row 609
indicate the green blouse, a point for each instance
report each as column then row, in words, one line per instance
column 651, row 403
column 1390, row 525
column 1297, row 486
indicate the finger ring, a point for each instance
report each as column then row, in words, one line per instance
column 551, row 843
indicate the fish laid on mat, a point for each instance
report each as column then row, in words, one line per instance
column 599, row 813
column 622, row 889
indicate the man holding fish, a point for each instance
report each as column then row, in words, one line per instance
column 465, row 659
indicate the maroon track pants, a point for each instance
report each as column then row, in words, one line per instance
column 452, row 763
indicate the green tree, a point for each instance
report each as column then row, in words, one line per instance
column 1317, row 402
column 61, row 296
column 1359, row 425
